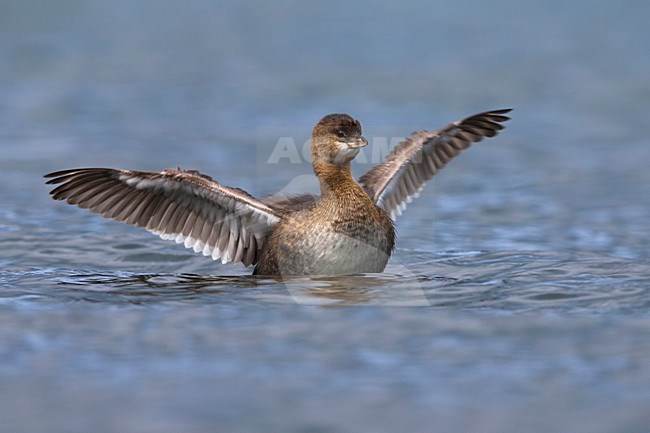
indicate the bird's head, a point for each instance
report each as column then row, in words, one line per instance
column 336, row 139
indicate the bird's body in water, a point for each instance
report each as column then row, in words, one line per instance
column 348, row 229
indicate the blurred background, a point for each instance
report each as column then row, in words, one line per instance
column 545, row 227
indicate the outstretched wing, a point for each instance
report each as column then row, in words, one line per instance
column 185, row 206
column 393, row 183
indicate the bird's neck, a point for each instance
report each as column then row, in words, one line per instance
column 335, row 179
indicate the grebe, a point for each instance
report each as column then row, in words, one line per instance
column 348, row 229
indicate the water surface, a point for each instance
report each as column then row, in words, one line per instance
column 516, row 301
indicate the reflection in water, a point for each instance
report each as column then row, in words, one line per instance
column 384, row 289
column 334, row 291
column 139, row 288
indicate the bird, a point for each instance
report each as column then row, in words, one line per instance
column 347, row 229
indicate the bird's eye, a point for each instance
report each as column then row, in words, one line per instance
column 340, row 133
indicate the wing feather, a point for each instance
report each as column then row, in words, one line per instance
column 184, row 206
column 402, row 176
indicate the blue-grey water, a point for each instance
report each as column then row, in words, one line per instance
column 517, row 299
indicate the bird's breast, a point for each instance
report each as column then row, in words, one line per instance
column 331, row 244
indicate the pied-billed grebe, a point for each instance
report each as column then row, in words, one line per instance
column 347, row 230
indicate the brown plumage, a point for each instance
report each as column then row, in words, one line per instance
column 348, row 229
column 393, row 183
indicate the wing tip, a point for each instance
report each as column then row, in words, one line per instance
column 68, row 171
column 497, row 115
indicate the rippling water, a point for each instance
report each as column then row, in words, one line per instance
column 517, row 299
column 503, row 281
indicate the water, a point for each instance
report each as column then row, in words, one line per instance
column 517, row 299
